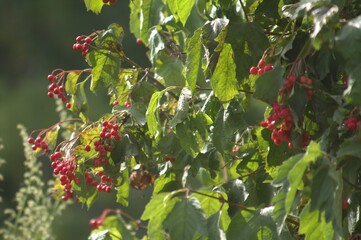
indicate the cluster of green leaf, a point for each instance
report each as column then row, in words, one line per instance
column 189, row 124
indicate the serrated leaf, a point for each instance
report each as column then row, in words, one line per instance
column 71, row 80
column 268, row 85
column 227, row 122
column 79, row 102
column 213, row 225
column 348, row 37
column 314, row 226
column 189, row 138
column 253, row 226
column 149, row 16
column 185, row 220
column 290, row 178
column 194, row 57
column 350, row 147
column 151, row 114
column 105, row 67
column 223, row 80
column 184, row 9
column 123, row 188
column 94, row 5
column 164, row 203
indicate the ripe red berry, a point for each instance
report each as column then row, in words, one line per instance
column 116, row 102
column 87, row 148
column 79, row 39
column 68, row 105
column 253, row 70
column 268, row 67
column 31, row 140
column 139, row 41
column 88, row 40
column 262, row 63
column 51, row 77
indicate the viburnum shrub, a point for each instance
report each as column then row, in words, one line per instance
column 246, row 123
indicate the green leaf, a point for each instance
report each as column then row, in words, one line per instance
column 185, row 220
column 194, row 59
column 151, row 114
column 213, row 225
column 164, row 203
column 71, row 80
column 123, row 188
column 79, row 102
column 105, row 67
column 227, row 122
column 149, row 16
column 253, row 225
column 223, row 81
column 249, row 42
column 268, row 85
column 348, row 37
column 182, row 107
column 166, row 183
column 184, row 9
column 189, row 138
column 350, row 147
column 100, row 235
column 314, row 225
column 94, row 5
column 134, row 18
column 290, row 176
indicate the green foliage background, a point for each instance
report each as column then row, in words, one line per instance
column 37, row 36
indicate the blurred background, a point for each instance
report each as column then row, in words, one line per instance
column 35, row 38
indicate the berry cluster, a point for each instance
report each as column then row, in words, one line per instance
column 290, row 82
column 38, row 143
column 82, row 44
column 65, row 169
column 280, row 122
column 105, row 184
column 109, row 131
column 351, row 123
column 57, row 88
column 261, row 68
column 308, row 83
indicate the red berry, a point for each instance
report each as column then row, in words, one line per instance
column 87, row 148
column 139, row 41
column 68, row 105
column 51, row 77
column 116, row 102
column 344, row 203
column 253, row 70
column 262, row 63
column 260, row 71
column 79, row 39
column 268, row 67
column 31, row 140
column 50, row 94
column 88, row 40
